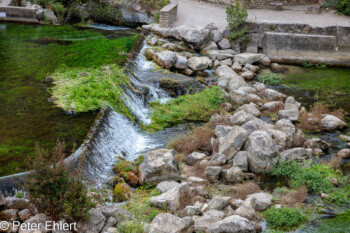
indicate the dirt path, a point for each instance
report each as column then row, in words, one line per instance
column 194, row 13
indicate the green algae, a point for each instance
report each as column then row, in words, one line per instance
column 28, row 53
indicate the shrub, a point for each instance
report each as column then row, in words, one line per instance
column 316, row 177
column 340, row 196
column 342, row 6
column 87, row 89
column 270, row 78
column 235, row 16
column 196, row 107
column 198, row 140
column 53, row 189
column 284, row 218
column 241, row 191
column 131, row 227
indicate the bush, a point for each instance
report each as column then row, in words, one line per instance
column 284, row 218
column 342, row 6
column 53, row 189
column 270, row 78
column 316, row 177
column 197, row 107
column 340, row 196
column 198, row 140
column 235, row 16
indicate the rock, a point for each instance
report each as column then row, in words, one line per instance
column 220, row 54
column 111, row 230
column 222, row 131
column 265, row 61
column 192, row 210
column 330, row 123
column 228, row 211
column 216, row 63
column 259, row 201
column 197, row 180
column 187, row 71
column 224, row 44
column 248, row 90
column 296, row 154
column 252, row 68
column 235, row 175
column 181, row 62
column 247, row 58
column 170, row 46
column 217, row 160
column 241, row 160
column 199, row 63
column 227, row 62
column 262, row 151
column 291, row 104
column 217, row 35
column 226, row 75
column 2, row 200
column 278, row 68
column 250, row 108
column 236, row 67
column 245, row 211
column 171, row 198
column 213, row 172
column 9, row 215
column 344, row 138
column 16, row 203
column 239, row 97
column 211, row 46
column 194, row 158
column 232, row 224
column 274, row 95
column 335, row 182
column 344, row 153
column 247, row 74
column 165, row 59
column 218, row 203
column 197, row 37
column 292, row 114
column 50, row 16
column 241, row 117
column 236, row 83
column 203, row 222
column 232, row 142
column 159, row 165
column 149, row 54
column 236, row 203
column 152, row 41
column 272, row 107
column 256, row 124
column 211, row 26
column 122, row 192
column 214, row 213
column 165, row 186
column 295, row 137
column 40, row 220
column 63, row 222
column 167, row 223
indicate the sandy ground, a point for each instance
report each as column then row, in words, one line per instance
column 193, row 13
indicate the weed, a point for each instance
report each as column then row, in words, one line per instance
column 270, row 78
column 294, row 198
column 284, row 218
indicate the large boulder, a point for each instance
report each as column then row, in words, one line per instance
column 196, row 37
column 262, row 151
column 40, row 221
column 181, row 62
column 241, row 117
column 167, row 223
column 330, row 123
column 224, row 44
column 203, row 222
column 171, row 199
column 217, row 35
column 165, row 59
column 16, row 203
column 256, row 124
column 117, row 212
column 222, row 130
column 9, row 215
column 218, row 203
column 247, row 58
column 232, row 224
column 165, row 186
column 295, row 137
column 291, row 114
column 259, row 201
column 199, row 63
column 250, row 108
column 159, row 165
column 241, row 160
column 295, row 154
column 232, row 142
column 272, row 107
column 274, row 95
column 220, row 54
column 291, row 103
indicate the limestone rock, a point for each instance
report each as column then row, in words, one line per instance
column 237, row 67
column 199, row 63
column 295, row 154
column 9, row 215
column 256, row 124
column 218, row 203
column 222, row 131
column 274, row 95
column 16, row 203
column 252, row 68
column 265, row 61
column 192, row 210
column 217, row 160
column 247, row 58
column 224, row 44
column 259, row 201
column 194, row 158
column 250, row 108
column 272, row 107
column 165, row 59
column 316, row 143
column 167, row 223
column 211, row 46
column 232, row 224
column 181, row 62
column 232, row 142
column 159, row 165
column 213, row 172
column 241, row 117
column 164, row 186
column 40, row 220
column 291, row 104
column 277, row 68
column 241, row 160
column 330, row 123
column 239, row 97
column 217, row 35
column 247, row 74
column 227, row 62
column 24, row 215
column 292, row 114
column 344, row 153
column 197, row 37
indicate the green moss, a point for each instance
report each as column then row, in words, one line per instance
column 284, row 218
column 339, row 224
column 28, row 53
column 196, row 107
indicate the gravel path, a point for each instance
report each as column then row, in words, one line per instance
column 193, row 13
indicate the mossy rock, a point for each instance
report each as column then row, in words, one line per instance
column 122, row 192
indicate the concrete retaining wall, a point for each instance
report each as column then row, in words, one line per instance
column 168, row 15
column 296, row 43
column 261, row 4
column 18, row 12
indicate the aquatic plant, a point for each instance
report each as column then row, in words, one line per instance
column 339, row 224
column 86, row 89
column 284, row 218
column 195, row 107
column 270, row 78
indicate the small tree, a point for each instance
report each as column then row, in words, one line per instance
column 55, row 190
column 235, row 16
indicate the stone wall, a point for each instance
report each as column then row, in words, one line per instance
column 262, row 4
column 296, row 43
column 168, row 15
column 19, row 12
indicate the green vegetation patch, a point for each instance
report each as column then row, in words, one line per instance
column 284, row 218
column 339, row 224
column 196, row 107
column 315, row 177
column 270, row 78
column 86, row 89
